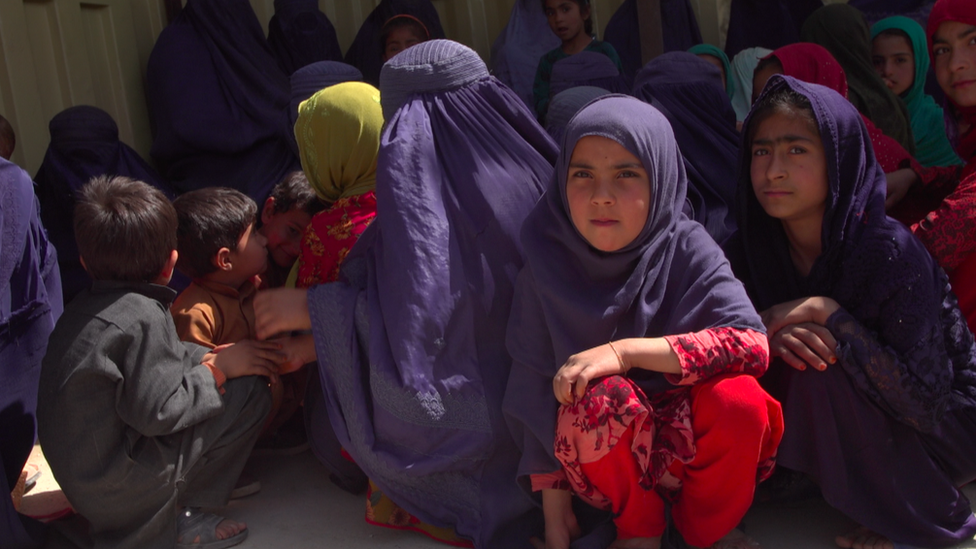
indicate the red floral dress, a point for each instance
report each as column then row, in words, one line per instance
column 330, row 236
column 662, row 424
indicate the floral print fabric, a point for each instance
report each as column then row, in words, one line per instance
column 330, row 236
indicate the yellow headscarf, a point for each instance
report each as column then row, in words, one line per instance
column 338, row 133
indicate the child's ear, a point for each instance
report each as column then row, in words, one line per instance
column 222, row 259
column 167, row 272
column 267, row 212
column 83, row 266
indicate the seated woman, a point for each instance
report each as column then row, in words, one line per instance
column 688, row 91
column 635, row 349
column 299, row 34
column 947, row 230
column 410, row 340
column 900, row 54
column 84, row 144
column 873, row 363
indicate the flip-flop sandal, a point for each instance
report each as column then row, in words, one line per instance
column 193, row 523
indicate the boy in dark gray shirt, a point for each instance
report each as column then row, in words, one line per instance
column 141, row 429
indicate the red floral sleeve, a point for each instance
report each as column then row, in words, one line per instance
column 550, row 481
column 719, row 351
column 947, row 232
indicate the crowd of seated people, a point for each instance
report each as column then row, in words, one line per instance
column 610, row 293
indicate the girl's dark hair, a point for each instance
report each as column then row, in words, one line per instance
column 404, row 21
column 583, row 5
column 784, row 100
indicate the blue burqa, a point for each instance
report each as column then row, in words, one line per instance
column 678, row 22
column 300, row 34
column 516, row 52
column 410, row 342
column 30, row 303
column 219, row 102
column 84, row 144
column 688, row 91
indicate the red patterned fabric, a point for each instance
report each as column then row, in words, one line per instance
column 727, row 432
column 330, row 236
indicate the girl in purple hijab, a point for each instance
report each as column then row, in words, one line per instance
column 410, row 341
column 874, row 364
column 84, row 144
column 219, row 102
column 635, row 349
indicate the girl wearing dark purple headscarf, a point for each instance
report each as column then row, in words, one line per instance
column 635, row 348
column 84, row 144
column 874, row 364
column 410, row 341
column 366, row 51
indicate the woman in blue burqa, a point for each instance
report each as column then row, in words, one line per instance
column 410, row 343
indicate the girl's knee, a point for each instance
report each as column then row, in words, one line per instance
column 737, row 401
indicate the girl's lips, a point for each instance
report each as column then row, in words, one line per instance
column 776, row 193
column 963, row 84
column 603, row 222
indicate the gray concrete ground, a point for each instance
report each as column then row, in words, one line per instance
column 298, row 508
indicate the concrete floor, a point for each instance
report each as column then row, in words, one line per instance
column 298, row 507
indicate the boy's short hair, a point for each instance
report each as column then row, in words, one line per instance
column 125, row 229
column 210, row 219
column 294, row 192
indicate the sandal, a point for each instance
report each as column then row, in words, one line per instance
column 193, row 523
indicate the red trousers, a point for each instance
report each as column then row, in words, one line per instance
column 737, row 427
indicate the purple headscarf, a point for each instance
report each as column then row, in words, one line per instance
column 30, row 303
column 516, row 52
column 587, row 68
column 688, row 91
column 623, row 31
column 219, row 102
column 300, row 34
column 314, row 77
column 565, row 105
column 672, row 279
column 411, row 347
column 84, row 144
column 366, row 51
column 870, row 264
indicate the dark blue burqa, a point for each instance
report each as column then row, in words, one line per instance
column 366, row 51
column 410, row 343
column 766, row 24
column 30, row 303
column 516, row 52
column 84, row 144
column 688, row 91
column 219, row 102
column 887, row 431
column 678, row 22
column 300, row 34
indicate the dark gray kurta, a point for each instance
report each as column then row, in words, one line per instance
column 127, row 416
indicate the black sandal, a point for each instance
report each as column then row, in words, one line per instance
column 193, row 523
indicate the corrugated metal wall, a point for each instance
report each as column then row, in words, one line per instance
column 58, row 53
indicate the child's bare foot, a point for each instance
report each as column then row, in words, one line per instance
column 637, row 543
column 863, row 538
column 197, row 529
column 736, row 539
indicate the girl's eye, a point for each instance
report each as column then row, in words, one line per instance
column 797, row 150
column 940, row 50
column 580, row 174
column 760, row 152
column 627, row 174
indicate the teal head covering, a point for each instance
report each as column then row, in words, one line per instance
column 932, row 147
column 708, row 49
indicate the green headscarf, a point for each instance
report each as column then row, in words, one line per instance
column 708, row 49
column 932, row 147
column 338, row 133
